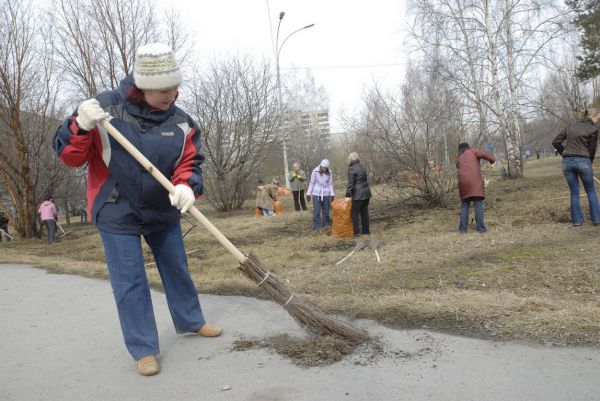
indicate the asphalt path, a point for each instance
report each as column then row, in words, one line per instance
column 60, row 340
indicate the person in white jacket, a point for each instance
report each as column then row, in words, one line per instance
column 320, row 191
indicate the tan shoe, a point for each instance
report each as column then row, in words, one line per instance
column 209, row 330
column 148, row 366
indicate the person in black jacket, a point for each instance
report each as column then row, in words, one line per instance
column 3, row 227
column 577, row 143
column 359, row 191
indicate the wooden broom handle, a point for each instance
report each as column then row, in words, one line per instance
column 137, row 155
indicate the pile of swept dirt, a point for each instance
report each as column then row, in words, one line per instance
column 314, row 351
column 325, row 350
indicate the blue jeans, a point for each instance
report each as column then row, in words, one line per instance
column 320, row 212
column 465, row 204
column 51, row 229
column 575, row 168
column 132, row 293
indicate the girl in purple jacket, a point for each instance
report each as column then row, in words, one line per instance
column 321, row 191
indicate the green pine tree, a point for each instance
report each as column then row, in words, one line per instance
column 587, row 20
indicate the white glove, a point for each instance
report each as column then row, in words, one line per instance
column 89, row 113
column 183, row 198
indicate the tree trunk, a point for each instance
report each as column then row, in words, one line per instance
column 511, row 148
column 479, row 105
column 515, row 132
column 67, row 212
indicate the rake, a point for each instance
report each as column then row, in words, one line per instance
column 6, row 233
column 374, row 245
column 193, row 225
column 64, row 234
column 312, row 318
column 187, row 253
column 359, row 245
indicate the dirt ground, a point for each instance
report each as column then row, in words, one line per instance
column 533, row 277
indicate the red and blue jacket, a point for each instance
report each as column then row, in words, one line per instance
column 123, row 198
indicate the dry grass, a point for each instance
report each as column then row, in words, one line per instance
column 532, row 277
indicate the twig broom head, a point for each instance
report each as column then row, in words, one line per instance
column 309, row 316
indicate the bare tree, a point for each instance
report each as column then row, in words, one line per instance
column 560, row 98
column 405, row 138
column 27, row 114
column 562, row 95
column 179, row 39
column 447, row 31
column 235, row 105
column 96, row 49
column 493, row 49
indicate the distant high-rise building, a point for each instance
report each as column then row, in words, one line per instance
column 307, row 121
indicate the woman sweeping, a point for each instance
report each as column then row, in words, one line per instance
column 125, row 203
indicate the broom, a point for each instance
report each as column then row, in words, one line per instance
column 312, row 318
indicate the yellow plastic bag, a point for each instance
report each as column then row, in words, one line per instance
column 342, row 218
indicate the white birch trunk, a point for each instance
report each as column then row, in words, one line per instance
column 511, row 150
column 479, row 105
column 514, row 135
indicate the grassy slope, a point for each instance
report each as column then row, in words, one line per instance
column 532, row 277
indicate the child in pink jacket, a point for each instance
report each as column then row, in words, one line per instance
column 49, row 215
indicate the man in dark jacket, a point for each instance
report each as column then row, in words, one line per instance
column 359, row 191
column 577, row 143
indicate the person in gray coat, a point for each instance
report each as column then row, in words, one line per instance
column 265, row 195
column 297, row 185
column 359, row 191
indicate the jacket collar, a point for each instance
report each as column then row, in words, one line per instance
column 142, row 110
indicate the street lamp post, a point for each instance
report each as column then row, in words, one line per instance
column 278, row 48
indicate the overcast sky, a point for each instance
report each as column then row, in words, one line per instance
column 348, row 36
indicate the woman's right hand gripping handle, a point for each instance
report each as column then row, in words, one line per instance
column 89, row 113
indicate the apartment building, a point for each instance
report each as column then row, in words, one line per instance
column 307, row 122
